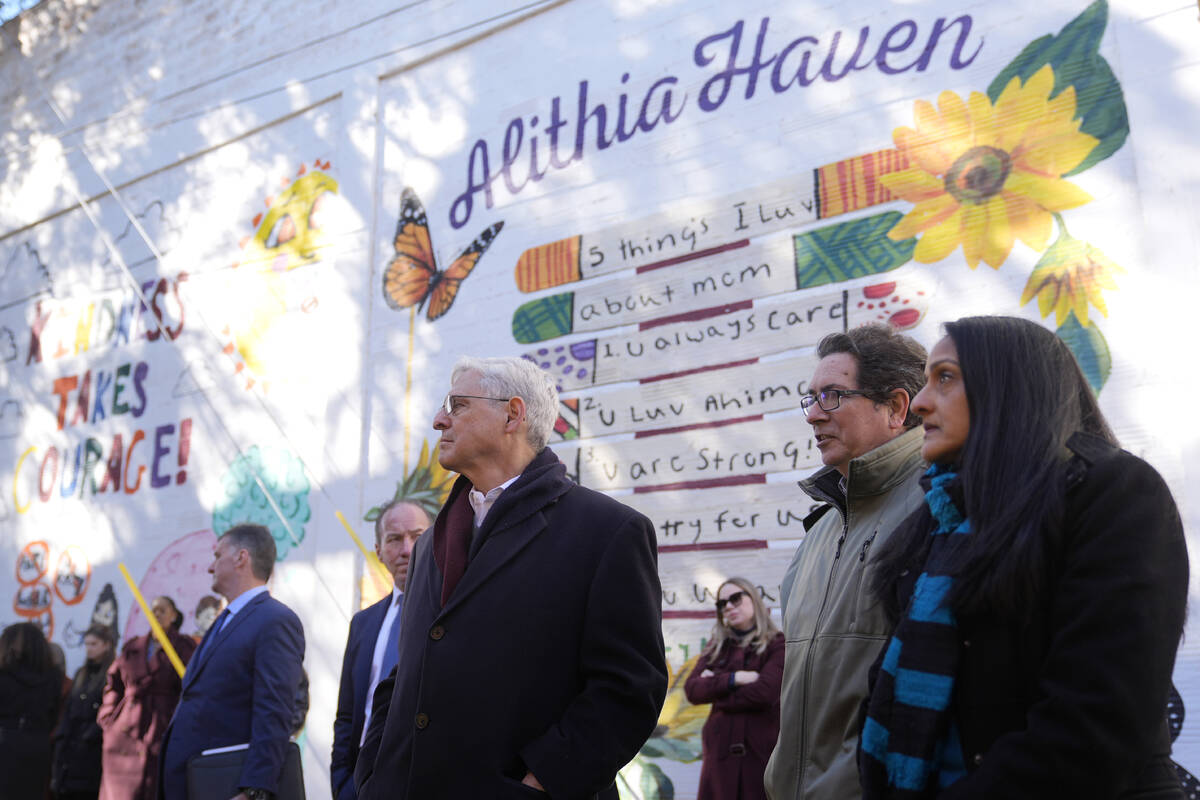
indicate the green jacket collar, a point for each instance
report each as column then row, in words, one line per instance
column 871, row 473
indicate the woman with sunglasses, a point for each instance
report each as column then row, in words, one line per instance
column 1038, row 595
column 739, row 672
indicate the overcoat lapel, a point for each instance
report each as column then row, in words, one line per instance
column 501, row 546
column 513, row 522
column 207, row 648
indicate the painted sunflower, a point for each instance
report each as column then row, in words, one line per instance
column 1070, row 275
column 984, row 174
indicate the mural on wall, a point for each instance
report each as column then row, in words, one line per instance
column 266, row 486
column 180, row 572
column 681, row 335
column 691, row 196
column 412, row 278
column 261, row 318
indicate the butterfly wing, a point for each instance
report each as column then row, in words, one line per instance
column 410, row 273
column 445, row 285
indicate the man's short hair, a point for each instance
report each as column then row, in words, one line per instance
column 886, row 358
column 517, row 377
column 259, row 543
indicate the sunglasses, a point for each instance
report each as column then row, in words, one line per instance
column 734, row 599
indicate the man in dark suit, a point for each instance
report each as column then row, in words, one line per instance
column 531, row 655
column 371, row 648
column 241, row 683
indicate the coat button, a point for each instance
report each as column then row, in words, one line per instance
column 437, row 632
column 966, row 642
column 977, row 759
column 422, row 721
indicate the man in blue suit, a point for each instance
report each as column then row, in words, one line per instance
column 372, row 648
column 241, row 683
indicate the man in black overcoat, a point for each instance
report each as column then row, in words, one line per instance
column 531, row 655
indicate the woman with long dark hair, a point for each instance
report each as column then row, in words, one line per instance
column 1038, row 596
column 142, row 692
column 739, row 672
column 30, row 697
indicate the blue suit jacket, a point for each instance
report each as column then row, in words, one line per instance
column 352, row 696
column 240, row 687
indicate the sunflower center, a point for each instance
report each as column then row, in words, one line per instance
column 978, row 174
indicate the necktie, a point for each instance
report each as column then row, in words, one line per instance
column 391, row 653
column 212, row 634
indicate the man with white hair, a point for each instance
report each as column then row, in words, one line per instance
column 531, row 656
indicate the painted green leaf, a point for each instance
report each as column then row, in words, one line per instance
column 544, row 318
column 850, row 250
column 1090, row 349
column 655, row 783
column 674, row 749
column 1074, row 56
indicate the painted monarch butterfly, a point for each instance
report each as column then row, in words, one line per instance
column 412, row 277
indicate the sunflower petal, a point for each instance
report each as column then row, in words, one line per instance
column 1052, row 194
column 998, row 240
column 924, row 216
column 914, row 185
column 939, row 241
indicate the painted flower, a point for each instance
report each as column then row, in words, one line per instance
column 1068, row 277
column 984, row 174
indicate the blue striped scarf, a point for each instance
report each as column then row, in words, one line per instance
column 910, row 744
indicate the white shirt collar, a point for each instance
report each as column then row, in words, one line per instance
column 482, row 503
column 241, row 601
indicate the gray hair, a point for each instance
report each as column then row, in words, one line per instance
column 516, row 377
column 259, row 543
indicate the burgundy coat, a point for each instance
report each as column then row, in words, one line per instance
column 741, row 729
column 138, row 702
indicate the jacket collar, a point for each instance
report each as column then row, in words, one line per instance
column 207, row 647
column 872, row 473
column 512, row 522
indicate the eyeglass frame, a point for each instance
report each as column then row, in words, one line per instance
column 810, row 400
column 448, row 403
column 735, row 599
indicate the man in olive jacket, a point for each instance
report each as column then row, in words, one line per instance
column 858, row 406
column 531, row 655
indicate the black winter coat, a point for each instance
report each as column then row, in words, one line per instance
column 77, row 742
column 547, row 657
column 29, row 704
column 1073, row 704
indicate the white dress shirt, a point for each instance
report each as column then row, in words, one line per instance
column 377, row 656
column 482, row 503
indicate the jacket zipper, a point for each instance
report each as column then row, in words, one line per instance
column 858, row 577
column 804, row 745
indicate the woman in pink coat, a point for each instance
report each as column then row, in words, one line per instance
column 143, row 689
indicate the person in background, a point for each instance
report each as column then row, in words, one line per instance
column 857, row 403
column 206, row 613
column 30, row 698
column 142, row 691
column 1038, row 593
column 739, row 672
column 75, row 774
column 372, row 646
